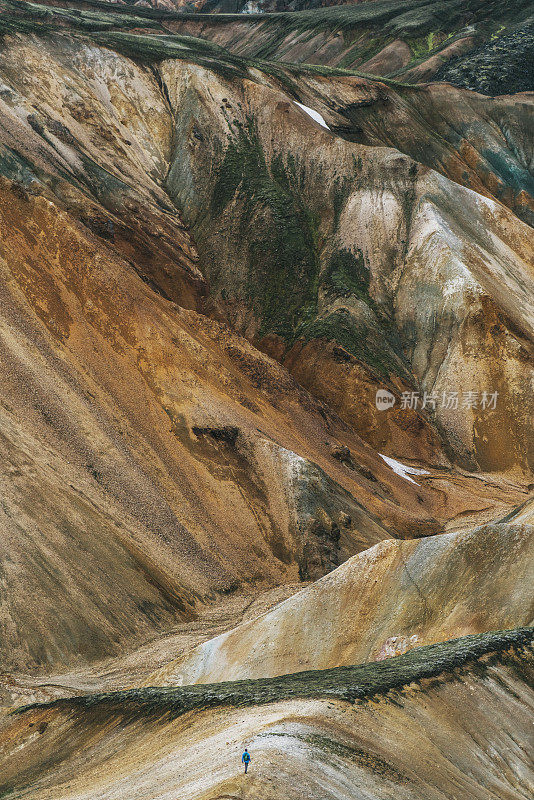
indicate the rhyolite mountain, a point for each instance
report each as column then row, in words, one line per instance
column 211, row 260
column 481, row 45
column 393, row 597
column 438, row 721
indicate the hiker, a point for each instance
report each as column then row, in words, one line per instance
column 245, row 759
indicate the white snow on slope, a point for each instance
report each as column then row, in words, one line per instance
column 403, row 470
column 313, row 114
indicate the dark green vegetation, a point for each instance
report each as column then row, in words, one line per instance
column 365, row 342
column 282, row 248
column 269, row 199
column 269, row 214
column 151, row 42
column 347, row 277
column 343, row 683
column 503, row 65
column 35, row 17
column 501, row 61
column 347, row 274
column 150, row 49
column 396, row 16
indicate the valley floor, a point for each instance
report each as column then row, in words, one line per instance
column 135, row 668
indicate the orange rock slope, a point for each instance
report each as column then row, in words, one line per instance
column 154, row 208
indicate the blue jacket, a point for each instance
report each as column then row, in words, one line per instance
column 245, row 757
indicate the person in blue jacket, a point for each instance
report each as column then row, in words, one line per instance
column 245, row 759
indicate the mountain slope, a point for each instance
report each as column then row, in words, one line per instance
column 393, row 597
column 484, row 46
column 117, row 440
column 265, row 325
column 372, row 252
column 138, row 427
column 453, row 718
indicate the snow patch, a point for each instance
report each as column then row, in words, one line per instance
column 403, row 470
column 313, row 114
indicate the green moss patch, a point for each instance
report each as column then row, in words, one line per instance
column 347, row 274
column 280, row 230
column 343, row 683
column 364, row 343
column 368, row 336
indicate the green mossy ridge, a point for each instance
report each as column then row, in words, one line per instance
column 409, row 15
column 280, row 230
column 27, row 13
column 343, row 683
column 150, row 49
column 12, row 24
column 118, row 11
column 356, row 338
column 363, row 51
column 33, row 18
column 338, row 72
column 347, row 275
column 99, row 28
column 419, row 22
